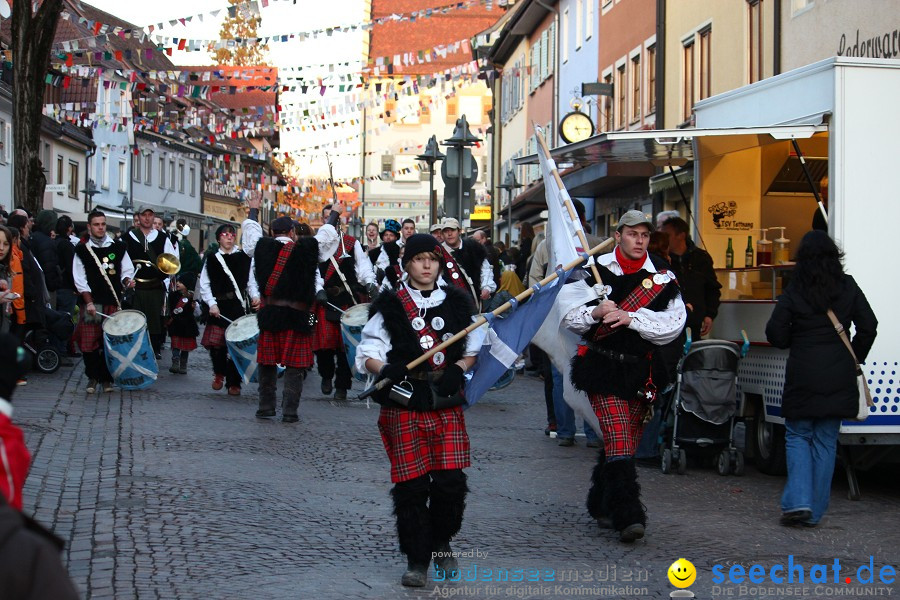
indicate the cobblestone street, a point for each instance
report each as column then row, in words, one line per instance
column 178, row 492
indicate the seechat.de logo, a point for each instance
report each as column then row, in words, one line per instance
column 795, row 572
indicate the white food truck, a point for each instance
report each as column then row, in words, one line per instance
column 840, row 115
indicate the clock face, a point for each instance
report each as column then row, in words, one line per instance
column 576, row 126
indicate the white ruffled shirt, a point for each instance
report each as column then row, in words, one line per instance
column 659, row 327
column 376, row 342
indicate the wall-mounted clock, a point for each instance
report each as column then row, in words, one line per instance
column 576, row 126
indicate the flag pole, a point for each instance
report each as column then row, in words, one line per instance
column 539, row 134
column 481, row 320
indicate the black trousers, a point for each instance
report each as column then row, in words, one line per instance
column 548, row 385
column 325, row 359
column 95, row 367
column 223, row 365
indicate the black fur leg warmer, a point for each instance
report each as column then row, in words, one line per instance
column 413, row 521
column 622, row 494
column 448, row 502
column 596, row 501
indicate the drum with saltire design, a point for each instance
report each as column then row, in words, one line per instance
column 129, row 354
column 352, row 322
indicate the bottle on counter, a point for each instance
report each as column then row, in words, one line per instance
column 782, row 248
column 763, row 250
column 729, row 256
column 748, row 254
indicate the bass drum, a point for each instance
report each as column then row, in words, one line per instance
column 241, row 338
column 129, row 355
column 352, row 322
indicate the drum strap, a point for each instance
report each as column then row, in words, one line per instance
column 237, row 290
column 343, row 279
column 280, row 263
column 105, row 276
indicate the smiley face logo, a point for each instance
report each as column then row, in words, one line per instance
column 682, row 573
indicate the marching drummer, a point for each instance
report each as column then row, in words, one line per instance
column 226, row 284
column 467, row 266
column 344, row 275
column 421, row 422
column 145, row 243
column 286, row 265
column 102, row 271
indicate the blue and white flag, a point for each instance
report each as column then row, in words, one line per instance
column 507, row 338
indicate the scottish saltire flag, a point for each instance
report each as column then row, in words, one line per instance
column 507, row 338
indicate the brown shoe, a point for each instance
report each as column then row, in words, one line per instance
column 218, row 382
column 234, row 390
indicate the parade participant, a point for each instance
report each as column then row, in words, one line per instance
column 371, row 237
column 427, row 445
column 226, row 283
column 436, row 232
column 346, row 275
column 390, row 233
column 619, row 364
column 187, row 254
column 145, row 243
column 101, row 270
column 286, row 267
column 467, row 266
column 182, row 323
column 407, row 229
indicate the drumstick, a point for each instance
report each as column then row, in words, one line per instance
column 226, row 318
column 102, row 315
column 336, row 308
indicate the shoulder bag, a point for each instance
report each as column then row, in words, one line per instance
column 865, row 397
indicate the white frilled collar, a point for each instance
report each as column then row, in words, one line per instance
column 283, row 239
column 435, row 299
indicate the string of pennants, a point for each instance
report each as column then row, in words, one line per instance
column 103, row 30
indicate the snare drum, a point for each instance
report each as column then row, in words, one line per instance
column 352, row 322
column 129, row 354
column 241, row 337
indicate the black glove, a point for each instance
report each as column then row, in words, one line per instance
column 321, row 297
column 394, row 371
column 371, row 290
column 451, row 380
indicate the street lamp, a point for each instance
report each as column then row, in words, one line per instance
column 431, row 155
column 461, row 139
column 90, row 190
column 510, row 184
column 126, row 205
column 208, row 223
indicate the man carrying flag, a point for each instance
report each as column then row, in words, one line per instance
column 619, row 363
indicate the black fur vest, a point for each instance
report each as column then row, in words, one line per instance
column 456, row 311
column 596, row 371
column 470, row 256
column 229, row 302
column 296, row 284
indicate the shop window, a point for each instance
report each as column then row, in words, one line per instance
column 687, row 79
column 705, row 63
column 755, row 37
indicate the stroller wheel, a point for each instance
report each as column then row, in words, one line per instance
column 47, row 360
column 738, row 467
column 682, row 462
column 666, row 464
column 723, row 465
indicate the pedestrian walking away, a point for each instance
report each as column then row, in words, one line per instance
column 619, row 364
column 421, row 421
column 820, row 378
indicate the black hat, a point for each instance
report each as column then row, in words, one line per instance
column 282, row 225
column 189, row 279
column 418, row 243
column 224, row 227
column 11, row 354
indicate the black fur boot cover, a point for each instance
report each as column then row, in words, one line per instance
column 622, row 494
column 448, row 501
column 413, row 521
column 596, row 502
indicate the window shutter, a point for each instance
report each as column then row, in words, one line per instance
column 544, row 54
column 551, row 49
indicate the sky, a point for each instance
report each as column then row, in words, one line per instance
column 279, row 17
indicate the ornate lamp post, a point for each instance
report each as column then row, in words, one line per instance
column 431, row 155
column 90, row 190
column 126, row 205
column 511, row 185
column 461, row 139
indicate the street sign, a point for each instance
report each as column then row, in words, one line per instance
column 56, row 187
column 482, row 212
column 597, row 89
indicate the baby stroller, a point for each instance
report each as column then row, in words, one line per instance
column 40, row 343
column 701, row 410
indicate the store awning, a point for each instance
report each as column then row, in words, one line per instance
column 676, row 147
column 665, row 181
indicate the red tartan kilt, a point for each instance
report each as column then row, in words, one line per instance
column 621, row 423
column 183, row 343
column 286, row 348
column 213, row 337
column 420, row 442
column 89, row 336
column 327, row 334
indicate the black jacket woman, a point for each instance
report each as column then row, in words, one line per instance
column 820, row 379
